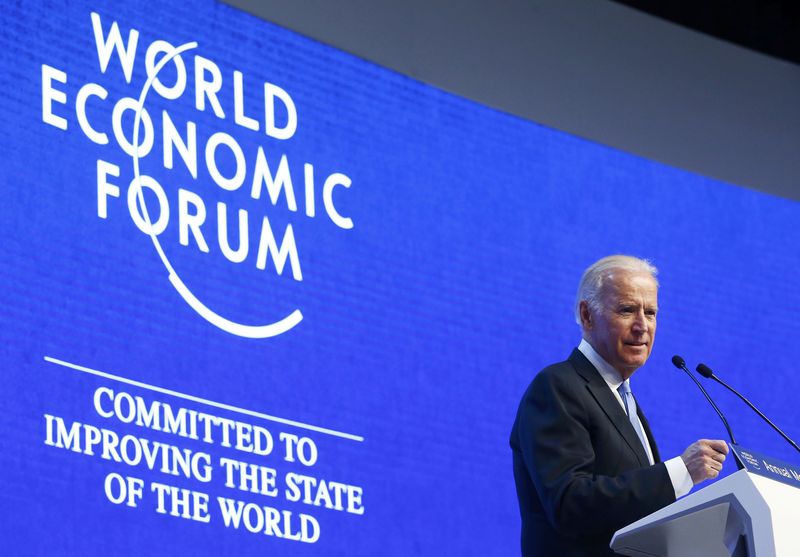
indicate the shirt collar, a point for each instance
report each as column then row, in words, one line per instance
column 610, row 375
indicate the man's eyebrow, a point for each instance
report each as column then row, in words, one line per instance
column 623, row 303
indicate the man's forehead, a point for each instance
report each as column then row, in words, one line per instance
column 624, row 283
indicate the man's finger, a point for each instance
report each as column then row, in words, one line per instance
column 718, row 445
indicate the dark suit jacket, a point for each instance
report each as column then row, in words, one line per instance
column 580, row 469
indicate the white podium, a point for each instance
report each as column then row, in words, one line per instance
column 743, row 515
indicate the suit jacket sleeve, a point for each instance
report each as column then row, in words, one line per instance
column 588, row 479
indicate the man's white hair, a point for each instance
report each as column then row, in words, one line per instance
column 590, row 288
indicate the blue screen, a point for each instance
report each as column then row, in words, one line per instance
column 260, row 296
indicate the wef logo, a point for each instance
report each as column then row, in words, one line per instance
column 231, row 170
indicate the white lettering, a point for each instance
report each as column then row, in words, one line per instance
column 51, row 95
column 174, row 92
column 273, row 93
column 105, row 46
column 90, row 90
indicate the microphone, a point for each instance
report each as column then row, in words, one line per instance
column 706, row 372
column 680, row 363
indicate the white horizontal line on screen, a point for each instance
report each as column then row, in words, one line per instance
column 215, row 404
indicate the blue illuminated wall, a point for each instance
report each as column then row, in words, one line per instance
column 346, row 384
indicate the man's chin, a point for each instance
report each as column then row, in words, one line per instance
column 633, row 363
column 636, row 363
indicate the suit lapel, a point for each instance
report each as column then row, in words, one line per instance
column 599, row 390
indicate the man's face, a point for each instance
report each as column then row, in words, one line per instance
column 623, row 331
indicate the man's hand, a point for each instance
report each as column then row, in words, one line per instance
column 704, row 459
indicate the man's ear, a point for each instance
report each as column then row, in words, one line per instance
column 586, row 314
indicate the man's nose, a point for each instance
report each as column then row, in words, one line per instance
column 640, row 324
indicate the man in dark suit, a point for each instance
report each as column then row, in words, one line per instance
column 585, row 462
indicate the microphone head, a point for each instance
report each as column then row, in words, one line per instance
column 705, row 371
column 678, row 362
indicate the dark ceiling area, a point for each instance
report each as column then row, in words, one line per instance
column 768, row 26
